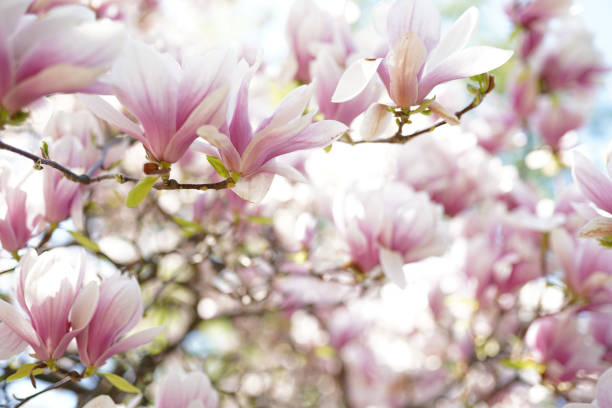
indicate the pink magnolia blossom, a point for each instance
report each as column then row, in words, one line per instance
column 389, row 228
column 603, row 393
column 58, row 307
column 587, row 266
column 43, row 6
column 186, row 390
column 252, row 153
column 569, row 60
column 417, row 59
column 601, row 328
column 118, row 311
column 63, row 197
column 526, row 13
column 554, row 120
column 63, row 51
column 556, row 342
column 17, row 225
column 170, row 100
column 309, row 30
column 597, row 188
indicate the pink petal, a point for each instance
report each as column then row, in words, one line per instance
column 58, row 78
column 131, row 342
column 420, row 17
column 84, row 306
column 392, row 264
column 444, row 113
column 596, row 187
column 201, row 115
column 11, row 344
column 283, row 170
column 454, row 39
column 355, row 79
column 17, row 323
column 240, row 129
column 598, row 227
column 462, row 64
column 376, row 121
column 106, row 112
column 229, row 154
column 291, row 107
column 604, row 390
column 405, row 63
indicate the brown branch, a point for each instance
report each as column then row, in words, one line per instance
column 87, row 179
column 398, row 138
column 49, row 388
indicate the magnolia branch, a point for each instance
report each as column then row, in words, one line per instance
column 399, row 138
column 165, row 184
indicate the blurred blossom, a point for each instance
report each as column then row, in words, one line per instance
column 118, row 311
column 52, row 281
column 390, row 228
column 568, row 60
column 524, row 92
column 527, row 13
column 603, row 393
column 311, row 30
column 602, row 329
column 554, row 120
column 417, row 59
column 186, row 390
column 587, row 267
column 102, row 401
column 556, row 342
column 18, row 222
column 597, row 188
column 63, row 51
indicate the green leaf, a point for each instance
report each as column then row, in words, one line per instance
column 523, row 365
column 327, row 148
column 120, row 383
column 22, row 372
column 218, row 165
column 44, row 149
column 181, row 222
column 236, row 176
column 606, row 241
column 140, row 191
column 84, row 241
column 261, row 220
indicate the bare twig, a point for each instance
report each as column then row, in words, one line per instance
column 49, row 388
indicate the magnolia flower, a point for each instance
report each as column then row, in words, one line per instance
column 16, row 224
column 597, row 188
column 389, row 228
column 170, row 100
column 417, row 59
column 118, row 311
column 186, row 390
column 599, row 320
column 603, row 393
column 554, row 120
column 251, row 153
column 556, row 342
column 309, row 30
column 65, row 50
column 586, row 264
column 63, row 197
column 50, row 291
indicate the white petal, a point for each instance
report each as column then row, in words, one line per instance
column 392, row 264
column 102, row 401
column 355, row 79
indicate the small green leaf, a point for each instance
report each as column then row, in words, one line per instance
column 22, row 372
column 327, row 148
column 261, row 220
column 44, row 150
column 523, row 365
column 187, row 224
column 218, row 165
column 236, row 176
column 120, row 383
column 84, row 241
column 140, row 191
column 606, row 241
